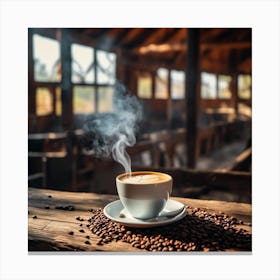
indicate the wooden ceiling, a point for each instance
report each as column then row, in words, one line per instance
column 221, row 49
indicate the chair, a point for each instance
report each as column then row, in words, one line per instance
column 41, row 147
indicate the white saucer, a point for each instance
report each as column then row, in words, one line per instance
column 115, row 208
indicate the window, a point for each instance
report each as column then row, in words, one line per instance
column 106, row 67
column 83, row 99
column 58, row 101
column 82, row 64
column 177, row 84
column 105, row 99
column 208, row 85
column 44, row 101
column 224, row 84
column 93, row 76
column 144, row 86
column 161, row 84
column 244, row 86
column 46, row 55
column 99, row 75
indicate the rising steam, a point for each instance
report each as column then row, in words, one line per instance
column 110, row 134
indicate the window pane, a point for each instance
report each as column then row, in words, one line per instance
column 106, row 67
column 83, row 99
column 224, row 83
column 244, row 86
column 44, row 104
column 105, row 99
column 177, row 84
column 58, row 105
column 208, row 85
column 82, row 64
column 161, row 84
column 144, row 86
column 46, row 55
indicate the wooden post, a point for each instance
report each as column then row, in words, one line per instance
column 154, row 84
column 31, row 88
column 234, row 85
column 120, row 73
column 169, row 100
column 192, row 95
column 96, row 88
column 66, row 87
column 234, row 90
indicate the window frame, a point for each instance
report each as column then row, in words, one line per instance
column 216, row 88
column 53, row 85
column 139, row 75
column 95, row 83
column 240, row 98
column 232, row 80
column 184, row 85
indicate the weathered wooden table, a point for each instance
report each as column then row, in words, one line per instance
column 49, row 227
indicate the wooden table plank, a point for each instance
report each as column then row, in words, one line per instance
column 49, row 231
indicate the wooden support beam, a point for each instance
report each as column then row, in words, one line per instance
column 31, row 88
column 234, row 87
column 155, row 36
column 120, row 71
column 140, row 38
column 192, row 94
column 169, row 100
column 174, row 33
column 131, row 34
column 234, row 91
column 227, row 45
column 154, row 84
column 66, row 88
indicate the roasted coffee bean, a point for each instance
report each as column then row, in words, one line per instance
column 198, row 231
column 70, row 232
column 35, row 217
column 66, row 208
column 81, row 230
column 81, row 225
column 87, row 242
column 47, row 207
column 88, row 237
column 122, row 215
column 49, row 196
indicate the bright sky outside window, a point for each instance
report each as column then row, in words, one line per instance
column 58, row 105
column 46, row 55
column 144, row 86
column 177, row 84
column 105, row 99
column 208, row 86
column 106, row 67
column 244, row 86
column 82, row 64
column 44, row 104
column 161, row 84
column 224, row 83
column 83, row 99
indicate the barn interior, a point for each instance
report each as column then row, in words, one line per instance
column 195, row 89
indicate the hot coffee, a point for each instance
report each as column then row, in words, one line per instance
column 144, row 193
column 144, row 178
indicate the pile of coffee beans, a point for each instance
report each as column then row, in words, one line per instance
column 198, row 231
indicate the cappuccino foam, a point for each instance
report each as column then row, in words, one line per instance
column 144, row 179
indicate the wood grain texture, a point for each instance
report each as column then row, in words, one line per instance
column 50, row 230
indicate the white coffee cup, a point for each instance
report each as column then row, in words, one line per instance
column 144, row 193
